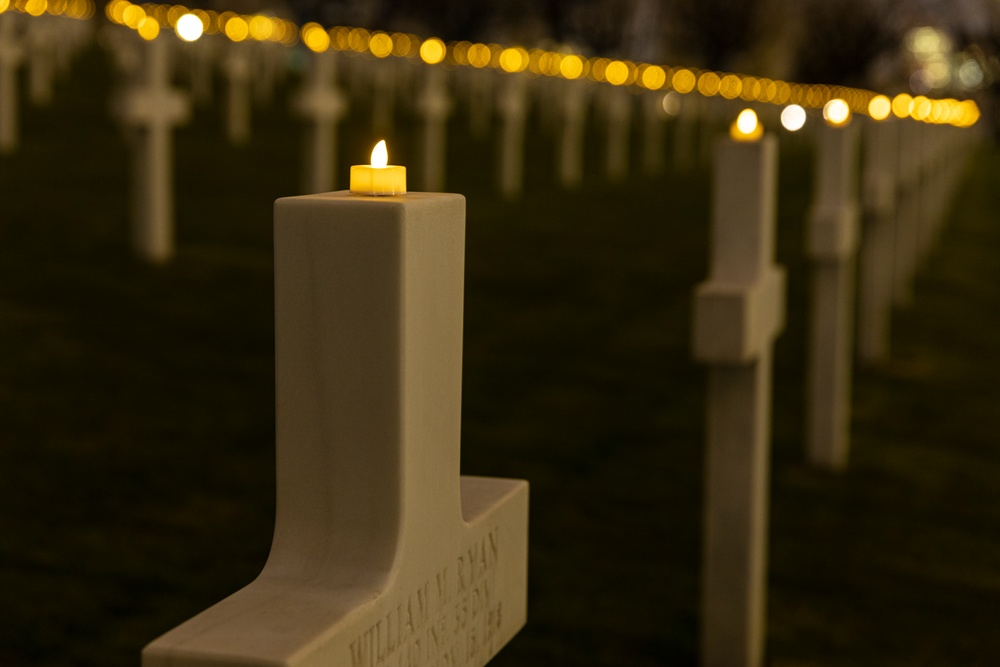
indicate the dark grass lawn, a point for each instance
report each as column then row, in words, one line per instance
column 137, row 420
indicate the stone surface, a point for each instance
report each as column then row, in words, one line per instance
column 382, row 554
column 744, row 293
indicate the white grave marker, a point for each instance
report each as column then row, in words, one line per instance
column 42, row 34
column 383, row 95
column 618, row 110
column 574, row 112
column 737, row 314
column 876, row 252
column 11, row 55
column 832, row 245
column 479, row 84
column 654, row 120
column 908, row 211
column 512, row 105
column 236, row 67
column 324, row 105
column 686, row 131
column 382, row 554
column 154, row 107
column 434, row 105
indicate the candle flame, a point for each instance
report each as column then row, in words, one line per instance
column 747, row 121
column 380, row 155
column 746, row 127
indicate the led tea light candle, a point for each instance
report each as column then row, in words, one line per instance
column 746, row 127
column 379, row 178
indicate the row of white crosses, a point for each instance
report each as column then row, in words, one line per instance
column 380, row 555
column 47, row 44
column 740, row 309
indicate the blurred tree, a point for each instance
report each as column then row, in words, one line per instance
column 842, row 39
column 717, row 32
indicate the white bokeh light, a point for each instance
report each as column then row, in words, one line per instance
column 793, row 117
column 189, row 27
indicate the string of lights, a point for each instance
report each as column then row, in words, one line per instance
column 74, row 9
column 149, row 19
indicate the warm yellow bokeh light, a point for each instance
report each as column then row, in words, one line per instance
column 571, row 67
column 921, row 108
column 730, row 86
column 380, row 155
column 597, row 66
column 654, row 77
column 479, row 55
column 708, row 84
column 837, row 102
column 902, row 105
column 357, row 39
column 4, row 4
column 793, row 117
column 149, row 29
column 683, row 81
column 380, row 45
column 746, row 127
column 616, row 72
column 514, row 59
column 261, row 27
column 36, row 7
column 315, row 38
column 880, row 107
column 432, row 51
column 132, row 16
column 401, row 44
column 836, row 112
column 189, row 27
column 237, row 29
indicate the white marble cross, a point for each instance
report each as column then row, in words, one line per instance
column 876, row 252
column 573, row 108
column 832, row 246
column 686, row 132
column 41, row 35
column 434, row 106
column 154, row 107
column 512, row 106
column 618, row 115
column 737, row 314
column 201, row 66
column 383, row 95
column 236, row 65
column 382, row 554
column 11, row 55
column 654, row 120
column 324, row 105
column 479, row 88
